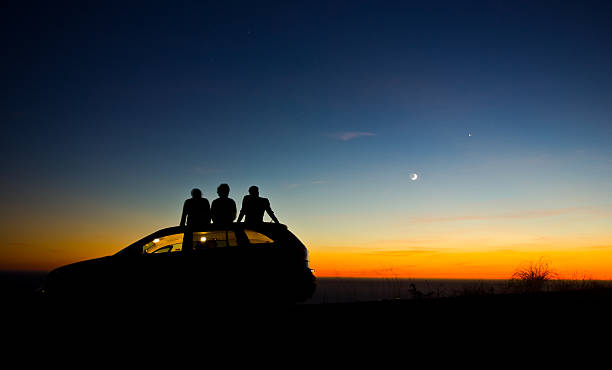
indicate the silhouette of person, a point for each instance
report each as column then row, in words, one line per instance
column 196, row 214
column 196, row 210
column 223, row 209
column 253, row 207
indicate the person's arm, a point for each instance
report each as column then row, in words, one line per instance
column 270, row 212
column 209, row 213
column 233, row 210
column 213, row 210
column 241, row 215
column 184, row 214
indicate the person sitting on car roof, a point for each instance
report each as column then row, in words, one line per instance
column 196, row 210
column 223, row 209
column 253, row 207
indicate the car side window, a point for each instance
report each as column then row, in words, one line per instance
column 214, row 239
column 257, row 237
column 165, row 244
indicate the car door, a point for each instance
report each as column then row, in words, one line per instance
column 158, row 268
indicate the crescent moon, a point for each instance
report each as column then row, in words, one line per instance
column 414, row 176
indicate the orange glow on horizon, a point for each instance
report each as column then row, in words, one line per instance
column 452, row 263
column 569, row 264
column 491, row 256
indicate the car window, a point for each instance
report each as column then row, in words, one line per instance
column 201, row 240
column 257, row 237
column 214, row 239
column 164, row 244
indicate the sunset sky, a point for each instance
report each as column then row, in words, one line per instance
column 111, row 113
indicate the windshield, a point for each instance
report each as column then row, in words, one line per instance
column 151, row 244
column 170, row 243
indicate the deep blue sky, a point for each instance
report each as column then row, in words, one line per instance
column 127, row 105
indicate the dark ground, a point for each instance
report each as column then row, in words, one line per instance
column 490, row 329
column 484, row 312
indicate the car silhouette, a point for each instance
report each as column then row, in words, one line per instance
column 239, row 262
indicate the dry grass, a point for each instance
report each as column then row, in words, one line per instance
column 577, row 282
column 532, row 277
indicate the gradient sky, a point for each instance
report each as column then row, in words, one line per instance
column 113, row 111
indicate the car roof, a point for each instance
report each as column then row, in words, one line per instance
column 264, row 227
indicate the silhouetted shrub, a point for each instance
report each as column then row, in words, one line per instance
column 533, row 276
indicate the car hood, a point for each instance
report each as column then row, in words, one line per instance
column 86, row 266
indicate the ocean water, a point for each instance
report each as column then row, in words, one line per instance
column 338, row 290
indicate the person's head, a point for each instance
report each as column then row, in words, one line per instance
column 254, row 190
column 223, row 190
column 196, row 193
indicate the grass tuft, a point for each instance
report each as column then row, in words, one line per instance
column 532, row 277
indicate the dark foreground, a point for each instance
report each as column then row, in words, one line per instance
column 461, row 330
column 493, row 313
